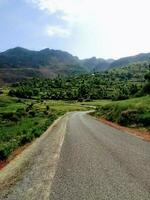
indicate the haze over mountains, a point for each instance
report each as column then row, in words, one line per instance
column 19, row 63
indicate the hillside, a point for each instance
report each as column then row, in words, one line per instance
column 120, row 83
column 127, row 60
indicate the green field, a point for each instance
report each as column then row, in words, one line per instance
column 23, row 120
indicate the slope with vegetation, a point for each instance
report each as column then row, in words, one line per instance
column 117, row 84
column 131, row 59
column 133, row 112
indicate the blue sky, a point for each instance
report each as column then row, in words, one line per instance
column 85, row 28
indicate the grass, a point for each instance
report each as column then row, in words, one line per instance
column 8, row 104
column 97, row 103
column 132, row 112
column 24, row 120
column 64, row 106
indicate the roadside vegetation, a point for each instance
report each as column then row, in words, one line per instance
column 23, row 120
column 133, row 112
column 27, row 108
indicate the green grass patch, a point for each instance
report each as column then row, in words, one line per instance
column 97, row 103
column 131, row 112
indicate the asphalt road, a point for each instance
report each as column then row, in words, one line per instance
column 96, row 162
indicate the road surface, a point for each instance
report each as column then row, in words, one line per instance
column 96, row 162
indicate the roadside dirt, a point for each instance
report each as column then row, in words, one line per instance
column 142, row 133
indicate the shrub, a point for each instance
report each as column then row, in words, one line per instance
column 19, row 101
column 7, row 148
column 36, row 132
column 26, row 138
column 1, row 92
column 12, row 93
column 129, row 117
column 21, row 112
column 144, row 119
column 29, row 107
column 146, row 88
column 47, row 108
column 10, row 116
column 120, row 96
column 32, row 113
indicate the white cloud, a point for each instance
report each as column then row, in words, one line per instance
column 67, row 6
column 71, row 10
column 110, row 28
column 57, row 31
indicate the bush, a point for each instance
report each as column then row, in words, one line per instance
column 10, row 116
column 12, row 93
column 4, row 151
column 146, row 88
column 36, row 132
column 7, row 148
column 26, row 138
column 32, row 113
column 120, row 97
column 29, row 107
column 19, row 101
column 1, row 92
column 128, row 117
column 21, row 112
column 145, row 119
column 47, row 108
column 132, row 112
column 134, row 117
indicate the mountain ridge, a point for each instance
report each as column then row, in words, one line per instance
column 19, row 63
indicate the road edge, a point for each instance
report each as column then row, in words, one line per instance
column 10, row 173
column 124, row 129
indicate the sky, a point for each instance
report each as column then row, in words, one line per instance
column 85, row 28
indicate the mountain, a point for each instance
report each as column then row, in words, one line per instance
column 20, row 57
column 131, row 59
column 18, row 63
column 96, row 64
